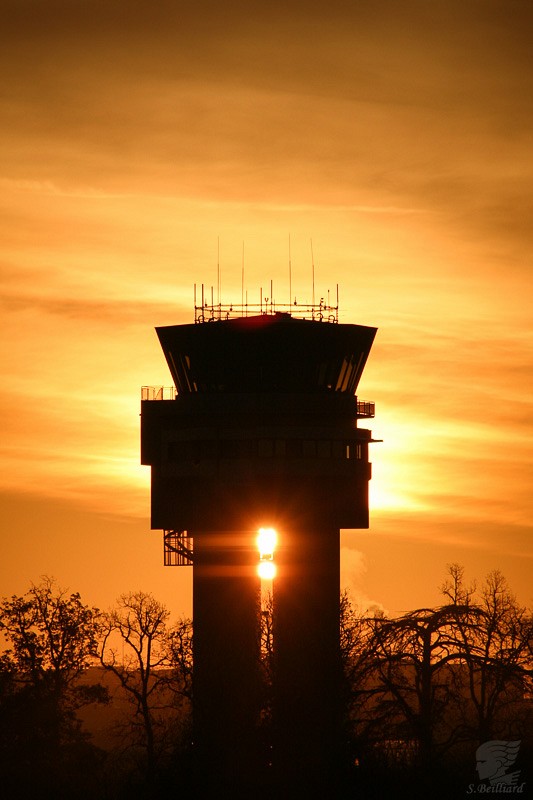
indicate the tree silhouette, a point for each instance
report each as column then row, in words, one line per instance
column 422, row 684
column 138, row 647
column 493, row 636
column 52, row 638
column 181, row 658
column 413, row 654
column 418, row 689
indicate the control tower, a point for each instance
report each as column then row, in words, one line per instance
column 262, row 430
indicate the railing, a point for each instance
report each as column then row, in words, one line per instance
column 365, row 410
column 177, row 548
column 216, row 311
column 158, row 392
column 320, row 312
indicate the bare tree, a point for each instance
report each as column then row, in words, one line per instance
column 181, row 658
column 361, row 688
column 413, row 657
column 492, row 636
column 136, row 648
column 435, row 677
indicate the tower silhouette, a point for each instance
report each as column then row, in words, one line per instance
column 261, row 430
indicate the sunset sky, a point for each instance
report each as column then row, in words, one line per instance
column 395, row 135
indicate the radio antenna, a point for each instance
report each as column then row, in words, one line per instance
column 242, row 277
column 290, row 272
column 313, row 270
column 218, row 270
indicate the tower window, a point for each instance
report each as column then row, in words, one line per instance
column 353, row 450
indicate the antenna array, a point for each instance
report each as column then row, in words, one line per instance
column 209, row 311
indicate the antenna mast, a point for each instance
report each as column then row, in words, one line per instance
column 290, row 272
column 313, row 270
column 242, row 277
column 218, row 270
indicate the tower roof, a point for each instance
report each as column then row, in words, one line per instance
column 266, row 353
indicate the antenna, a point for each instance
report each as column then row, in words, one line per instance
column 242, row 277
column 313, row 269
column 218, row 270
column 290, row 272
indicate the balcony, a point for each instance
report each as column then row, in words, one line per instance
column 365, row 410
column 158, row 392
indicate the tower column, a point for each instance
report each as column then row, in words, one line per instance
column 226, row 647
column 307, row 664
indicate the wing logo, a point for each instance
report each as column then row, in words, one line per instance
column 494, row 761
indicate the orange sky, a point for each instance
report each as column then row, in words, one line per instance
column 397, row 136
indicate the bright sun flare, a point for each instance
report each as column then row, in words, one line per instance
column 267, row 539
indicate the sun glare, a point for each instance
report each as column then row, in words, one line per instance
column 267, row 539
column 266, row 570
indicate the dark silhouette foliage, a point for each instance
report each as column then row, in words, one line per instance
column 426, row 688
column 420, row 692
column 51, row 638
column 153, row 665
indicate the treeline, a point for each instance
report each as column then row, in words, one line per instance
column 424, row 690
column 420, row 693
column 64, row 658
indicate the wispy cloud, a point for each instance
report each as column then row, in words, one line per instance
column 136, row 137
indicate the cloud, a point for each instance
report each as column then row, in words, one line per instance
column 117, row 313
column 273, row 103
column 135, row 136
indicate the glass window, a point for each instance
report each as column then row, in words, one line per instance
column 346, row 380
column 344, row 367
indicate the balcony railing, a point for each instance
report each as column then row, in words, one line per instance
column 158, row 392
column 365, row 410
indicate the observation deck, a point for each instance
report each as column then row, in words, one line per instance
column 365, row 409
